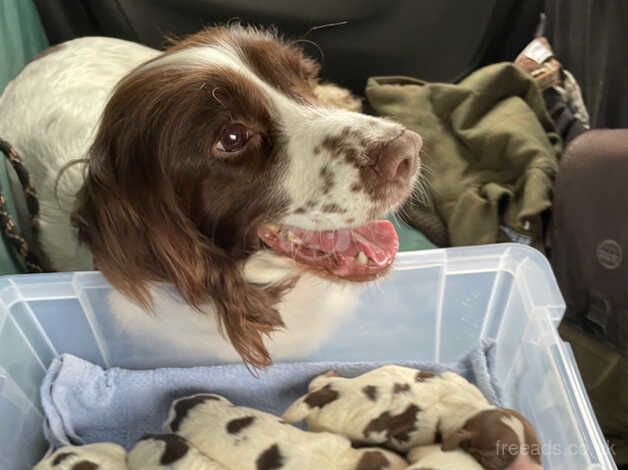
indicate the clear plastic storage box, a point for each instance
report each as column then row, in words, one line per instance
column 435, row 306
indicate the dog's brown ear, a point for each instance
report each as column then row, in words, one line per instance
column 133, row 212
column 246, row 311
column 135, row 242
column 460, row 439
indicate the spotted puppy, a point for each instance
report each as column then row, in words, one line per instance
column 401, row 408
column 103, row 456
column 434, row 458
column 168, row 452
column 393, row 406
column 243, row 438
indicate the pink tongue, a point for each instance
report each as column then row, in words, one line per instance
column 378, row 240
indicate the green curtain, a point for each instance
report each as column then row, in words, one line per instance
column 21, row 38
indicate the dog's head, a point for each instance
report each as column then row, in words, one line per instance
column 225, row 150
column 499, row 439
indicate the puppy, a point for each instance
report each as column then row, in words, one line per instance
column 103, row 456
column 168, row 452
column 434, row 458
column 400, row 408
column 396, row 407
column 243, row 438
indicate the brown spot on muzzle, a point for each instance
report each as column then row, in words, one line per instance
column 333, row 209
column 343, row 145
column 386, row 166
column 328, row 179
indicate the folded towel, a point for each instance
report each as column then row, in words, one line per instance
column 85, row 404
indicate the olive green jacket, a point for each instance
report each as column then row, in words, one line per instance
column 489, row 157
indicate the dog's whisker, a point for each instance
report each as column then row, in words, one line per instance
column 324, row 26
column 312, row 43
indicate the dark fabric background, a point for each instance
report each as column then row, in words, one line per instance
column 436, row 40
column 590, row 38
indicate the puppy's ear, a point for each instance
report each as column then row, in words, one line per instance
column 460, row 439
column 136, row 241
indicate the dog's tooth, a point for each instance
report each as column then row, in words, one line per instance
column 362, row 258
column 294, row 239
column 273, row 227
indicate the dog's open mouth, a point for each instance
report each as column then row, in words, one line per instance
column 358, row 254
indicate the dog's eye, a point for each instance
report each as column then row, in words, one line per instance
column 232, row 139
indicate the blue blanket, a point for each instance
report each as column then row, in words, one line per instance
column 85, row 404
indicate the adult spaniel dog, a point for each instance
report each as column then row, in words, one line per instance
column 221, row 165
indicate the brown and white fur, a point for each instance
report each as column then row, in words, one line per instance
column 498, row 438
column 169, row 452
column 401, row 408
column 207, row 432
column 157, row 199
column 244, row 438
